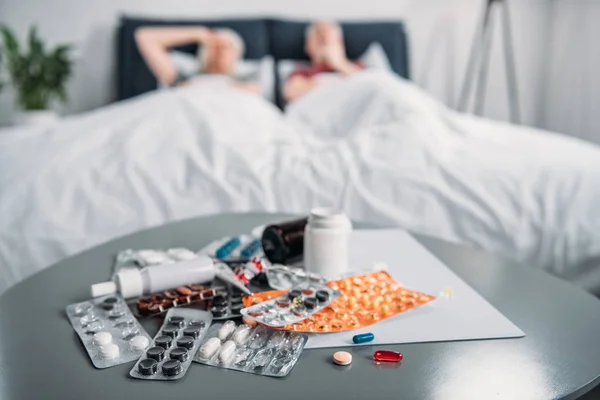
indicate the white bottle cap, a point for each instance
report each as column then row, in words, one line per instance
column 130, row 283
column 103, row 288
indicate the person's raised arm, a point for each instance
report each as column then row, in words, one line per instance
column 154, row 43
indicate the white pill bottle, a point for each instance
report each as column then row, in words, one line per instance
column 326, row 239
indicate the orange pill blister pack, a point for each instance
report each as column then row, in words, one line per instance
column 365, row 300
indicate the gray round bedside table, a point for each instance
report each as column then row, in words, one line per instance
column 42, row 358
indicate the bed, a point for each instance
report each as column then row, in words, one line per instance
column 374, row 145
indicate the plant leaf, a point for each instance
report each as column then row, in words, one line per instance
column 10, row 42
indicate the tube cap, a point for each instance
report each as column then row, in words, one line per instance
column 130, row 283
column 103, row 288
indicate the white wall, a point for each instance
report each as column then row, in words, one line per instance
column 441, row 32
column 571, row 90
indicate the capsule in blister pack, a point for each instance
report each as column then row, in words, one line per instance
column 226, row 304
column 170, row 353
column 294, row 306
column 160, row 303
column 254, row 350
column 108, row 330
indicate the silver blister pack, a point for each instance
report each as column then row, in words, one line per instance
column 257, row 350
column 108, row 330
column 294, row 306
column 226, row 304
column 172, row 349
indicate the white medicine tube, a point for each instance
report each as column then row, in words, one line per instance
column 133, row 282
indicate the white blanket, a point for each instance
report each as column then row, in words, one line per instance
column 373, row 145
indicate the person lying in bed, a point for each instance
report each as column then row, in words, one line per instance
column 220, row 51
column 327, row 53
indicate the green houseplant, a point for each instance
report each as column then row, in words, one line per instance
column 37, row 75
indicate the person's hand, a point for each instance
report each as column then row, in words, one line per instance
column 335, row 58
column 204, row 35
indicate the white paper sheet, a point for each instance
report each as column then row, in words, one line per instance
column 465, row 316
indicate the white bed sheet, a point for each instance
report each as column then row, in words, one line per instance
column 374, row 145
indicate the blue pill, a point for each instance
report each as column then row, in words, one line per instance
column 363, row 338
column 227, row 248
column 250, row 249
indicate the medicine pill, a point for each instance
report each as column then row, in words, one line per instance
column 218, row 312
column 198, row 324
column 102, row 338
column 250, row 249
column 226, row 330
column 156, row 353
column 310, row 303
column 387, row 355
column 148, row 366
column 293, row 294
column 177, row 321
column 210, row 347
column 219, row 300
column 139, row 343
column 171, row 368
column 227, row 351
column 109, row 351
column 170, row 330
column 227, row 248
column 179, row 353
column 322, row 296
column 163, row 341
column 192, row 331
column 240, row 334
column 363, row 338
column 186, row 341
column 342, row 358
column 283, row 302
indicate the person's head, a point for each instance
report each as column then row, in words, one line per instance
column 222, row 52
column 320, row 36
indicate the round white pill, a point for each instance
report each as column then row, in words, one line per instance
column 102, row 338
column 109, row 351
column 226, row 330
column 342, row 358
column 240, row 334
column 227, row 351
column 210, row 347
column 139, row 343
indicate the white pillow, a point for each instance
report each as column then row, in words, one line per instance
column 373, row 58
column 260, row 71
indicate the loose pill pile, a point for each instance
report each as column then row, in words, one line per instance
column 253, row 350
column 108, row 330
column 170, row 353
column 365, row 300
column 292, row 307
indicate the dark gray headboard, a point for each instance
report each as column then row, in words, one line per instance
column 280, row 38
